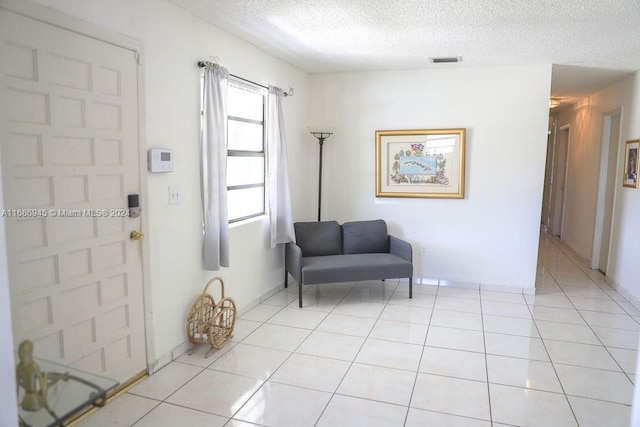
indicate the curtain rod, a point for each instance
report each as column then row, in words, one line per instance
column 207, row 64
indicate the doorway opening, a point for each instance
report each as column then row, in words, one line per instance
column 555, row 180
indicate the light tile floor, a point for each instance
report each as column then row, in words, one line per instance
column 365, row 355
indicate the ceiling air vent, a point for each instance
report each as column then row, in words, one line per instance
column 446, row 59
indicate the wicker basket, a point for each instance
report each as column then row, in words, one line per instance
column 209, row 322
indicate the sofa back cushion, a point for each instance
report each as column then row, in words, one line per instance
column 362, row 237
column 318, row 238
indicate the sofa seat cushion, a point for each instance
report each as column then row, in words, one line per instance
column 384, row 266
column 354, row 267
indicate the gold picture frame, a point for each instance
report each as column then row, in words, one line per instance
column 630, row 173
column 427, row 163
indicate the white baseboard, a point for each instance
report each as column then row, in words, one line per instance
column 625, row 293
column 260, row 299
column 169, row 357
column 471, row 285
column 457, row 284
column 510, row 289
column 425, row 281
column 585, row 265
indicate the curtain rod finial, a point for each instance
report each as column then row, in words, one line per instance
column 212, row 62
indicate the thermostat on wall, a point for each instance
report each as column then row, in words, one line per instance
column 160, row 160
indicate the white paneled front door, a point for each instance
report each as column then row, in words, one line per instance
column 70, row 156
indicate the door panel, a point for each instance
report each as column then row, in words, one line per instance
column 69, row 146
column 612, row 158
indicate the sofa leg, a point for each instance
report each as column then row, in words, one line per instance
column 300, row 294
column 286, row 279
column 410, row 287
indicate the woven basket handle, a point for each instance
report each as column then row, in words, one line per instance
column 219, row 279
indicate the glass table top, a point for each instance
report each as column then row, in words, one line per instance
column 65, row 397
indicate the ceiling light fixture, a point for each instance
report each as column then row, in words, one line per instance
column 554, row 102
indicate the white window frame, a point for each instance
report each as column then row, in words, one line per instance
column 239, row 83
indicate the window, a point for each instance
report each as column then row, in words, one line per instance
column 245, row 151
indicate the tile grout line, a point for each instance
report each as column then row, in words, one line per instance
column 333, row 394
column 289, row 356
column 560, row 247
column 553, row 366
column 266, row 379
column 161, row 401
column 424, row 346
column 486, row 359
column 164, row 400
column 582, row 317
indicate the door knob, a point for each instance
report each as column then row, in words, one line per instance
column 136, row 235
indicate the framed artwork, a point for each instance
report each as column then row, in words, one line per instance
column 420, row 163
column 630, row 176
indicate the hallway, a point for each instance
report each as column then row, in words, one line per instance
column 365, row 355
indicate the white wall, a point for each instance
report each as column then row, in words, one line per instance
column 585, row 143
column 174, row 41
column 586, row 120
column 625, row 246
column 490, row 237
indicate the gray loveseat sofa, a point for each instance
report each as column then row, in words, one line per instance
column 326, row 252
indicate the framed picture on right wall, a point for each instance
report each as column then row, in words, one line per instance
column 630, row 177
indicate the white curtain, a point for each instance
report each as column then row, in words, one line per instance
column 213, row 144
column 281, row 224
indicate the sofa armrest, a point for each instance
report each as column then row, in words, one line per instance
column 293, row 261
column 400, row 248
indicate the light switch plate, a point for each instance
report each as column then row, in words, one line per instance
column 174, row 195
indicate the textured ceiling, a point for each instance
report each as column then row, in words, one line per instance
column 591, row 43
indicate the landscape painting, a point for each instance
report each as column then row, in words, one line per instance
column 420, row 163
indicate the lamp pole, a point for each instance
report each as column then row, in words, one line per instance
column 322, row 136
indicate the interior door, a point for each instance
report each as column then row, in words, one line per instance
column 614, row 138
column 545, row 215
column 69, row 147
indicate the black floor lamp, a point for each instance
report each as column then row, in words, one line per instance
column 322, row 134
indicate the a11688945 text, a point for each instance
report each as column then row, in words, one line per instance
column 64, row 213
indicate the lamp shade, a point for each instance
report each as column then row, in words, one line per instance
column 554, row 102
column 321, row 131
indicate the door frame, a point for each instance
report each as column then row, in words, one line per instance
column 601, row 194
column 549, row 175
column 564, row 171
column 8, row 389
column 53, row 17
